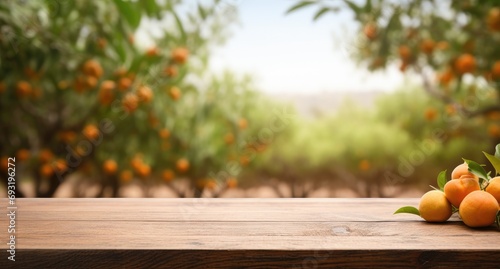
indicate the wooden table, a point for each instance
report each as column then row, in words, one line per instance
column 239, row 233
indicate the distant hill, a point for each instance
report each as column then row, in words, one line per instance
column 311, row 105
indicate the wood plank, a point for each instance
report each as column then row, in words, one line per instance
column 242, row 233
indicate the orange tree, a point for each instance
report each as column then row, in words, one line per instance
column 80, row 93
column 451, row 45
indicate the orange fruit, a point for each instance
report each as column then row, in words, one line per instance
column 130, row 102
column 124, row 83
column 110, row 167
column 145, row 94
column 4, row 163
column 451, row 109
column 22, row 155
column 465, row 63
column 144, row 170
column 495, row 70
column 164, row 133
column 434, row 207
column 232, row 183
column 91, row 131
column 364, row 165
column 427, row 46
column 167, row 175
column 442, row 45
column 229, row 138
column 3, row 87
column 171, row 71
column 478, row 209
column 456, row 189
column 405, row 53
column 153, row 52
column 210, row 184
column 79, row 84
column 91, row 82
column 370, row 31
column 60, row 165
column 120, row 72
column 126, row 176
column 23, row 89
column 242, row 123
column 462, row 170
column 180, row 55
column 92, row 68
column 45, row 156
column 494, row 130
column 106, row 94
column 182, row 165
column 174, row 93
column 62, row 85
column 244, row 160
column 446, row 77
column 493, row 188
column 430, row 114
column 46, row 170
column 493, row 19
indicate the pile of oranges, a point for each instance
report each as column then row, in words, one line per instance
column 476, row 200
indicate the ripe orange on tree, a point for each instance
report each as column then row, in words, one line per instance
column 153, row 52
column 106, row 94
column 167, row 175
column 465, row 63
column 430, row 114
column 493, row 19
column 124, row 83
column 110, row 167
column 445, row 77
column 242, row 123
column 145, row 94
column 46, row 170
column 92, row 68
column 45, row 155
column 91, row 131
column 370, row 31
column 232, row 183
column 22, row 155
column 126, row 176
column 229, row 138
column 495, row 70
column 404, row 53
column 427, row 46
column 164, row 133
column 174, row 93
column 23, row 89
column 4, row 163
column 171, row 71
column 182, row 165
column 180, row 55
column 130, row 102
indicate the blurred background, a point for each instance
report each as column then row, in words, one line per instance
column 240, row 98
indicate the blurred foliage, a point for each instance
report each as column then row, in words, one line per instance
column 81, row 95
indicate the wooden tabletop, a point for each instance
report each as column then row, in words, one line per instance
column 238, row 233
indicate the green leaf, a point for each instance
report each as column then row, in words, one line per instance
column 495, row 161
column 408, row 209
column 476, row 169
column 497, row 151
column 299, row 5
column 353, row 6
column 441, row 179
column 320, row 13
column 151, row 7
column 181, row 27
column 202, row 12
column 130, row 12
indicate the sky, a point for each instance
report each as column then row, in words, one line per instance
column 293, row 54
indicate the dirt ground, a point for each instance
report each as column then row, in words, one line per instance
column 134, row 190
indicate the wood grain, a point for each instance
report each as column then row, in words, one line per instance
column 240, row 233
